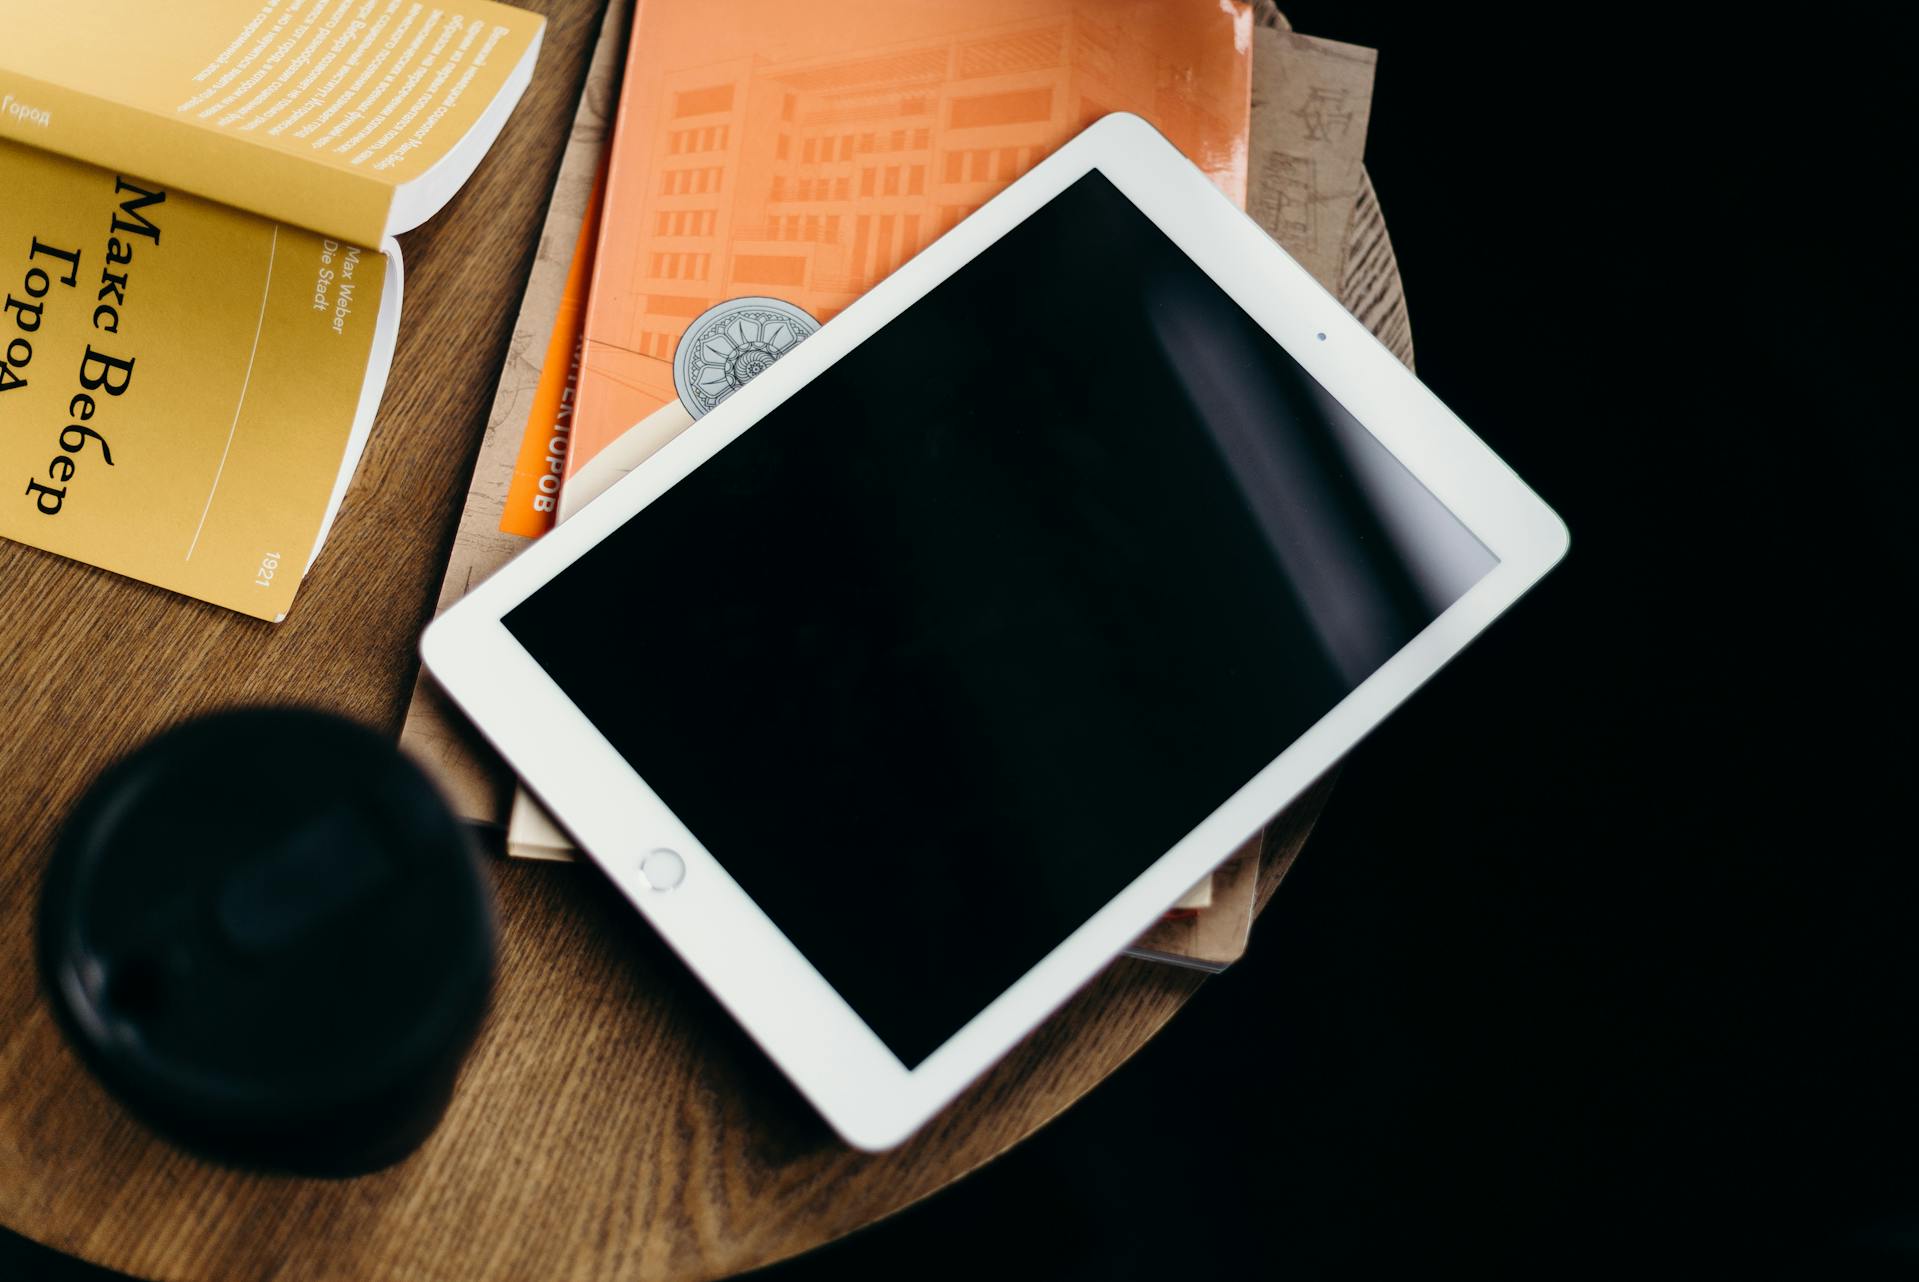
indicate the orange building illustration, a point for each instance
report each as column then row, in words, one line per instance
column 841, row 137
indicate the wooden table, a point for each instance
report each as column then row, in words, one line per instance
column 611, row 1122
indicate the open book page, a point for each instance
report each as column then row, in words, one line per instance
column 358, row 118
column 185, row 386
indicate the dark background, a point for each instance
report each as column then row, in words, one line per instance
column 1602, row 959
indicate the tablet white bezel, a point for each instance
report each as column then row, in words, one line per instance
column 831, row 1055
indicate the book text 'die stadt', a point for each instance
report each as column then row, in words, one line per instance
column 337, row 263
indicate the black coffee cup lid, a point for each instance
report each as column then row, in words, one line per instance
column 268, row 935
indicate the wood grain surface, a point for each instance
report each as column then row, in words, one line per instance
column 611, row 1122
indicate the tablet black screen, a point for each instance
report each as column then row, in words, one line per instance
column 944, row 651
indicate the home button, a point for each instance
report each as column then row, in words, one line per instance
column 663, row 869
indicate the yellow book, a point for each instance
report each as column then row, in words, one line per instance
column 186, row 388
column 201, row 287
column 356, row 118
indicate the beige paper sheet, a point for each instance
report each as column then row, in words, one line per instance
column 475, row 781
column 1311, row 102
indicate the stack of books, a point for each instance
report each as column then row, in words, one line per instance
column 803, row 153
column 202, row 289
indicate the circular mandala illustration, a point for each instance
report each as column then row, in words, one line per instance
column 731, row 344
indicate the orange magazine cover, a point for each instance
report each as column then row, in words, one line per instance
column 806, row 150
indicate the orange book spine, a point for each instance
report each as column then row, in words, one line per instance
column 532, row 499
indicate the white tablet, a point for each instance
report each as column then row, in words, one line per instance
column 908, row 686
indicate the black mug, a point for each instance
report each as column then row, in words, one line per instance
column 266, row 933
